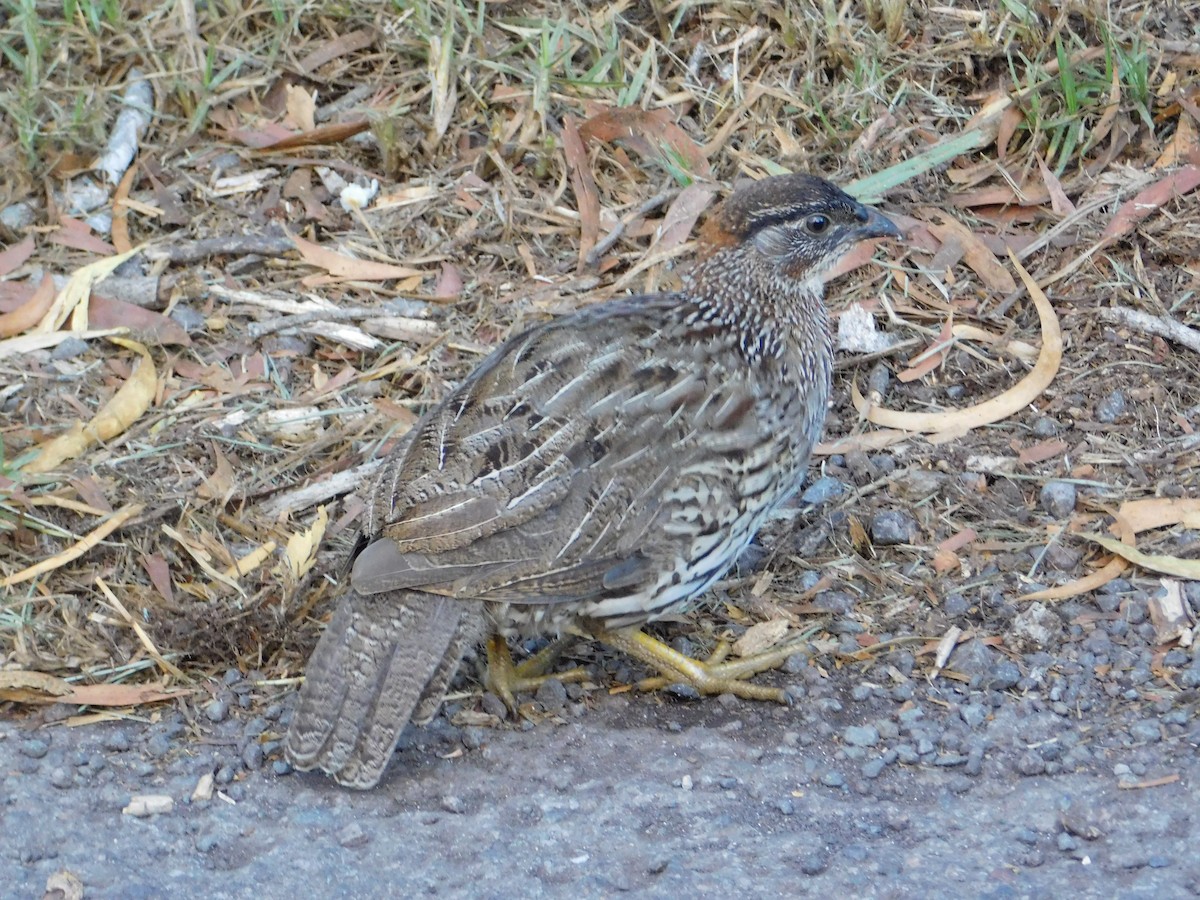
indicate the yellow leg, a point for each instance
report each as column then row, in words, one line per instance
column 506, row 679
column 712, row 676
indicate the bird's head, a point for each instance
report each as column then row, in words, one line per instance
column 800, row 223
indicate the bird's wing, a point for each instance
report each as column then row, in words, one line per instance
column 543, row 477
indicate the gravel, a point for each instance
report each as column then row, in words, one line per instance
column 1062, row 766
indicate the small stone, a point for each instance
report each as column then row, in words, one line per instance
column 69, row 349
column 1058, row 498
column 1111, row 407
column 189, row 319
column 61, row 777
column 281, row 767
column 143, row 805
column 974, row 714
column 224, row 775
column 974, row 764
column 917, row 484
column 232, row 677
column 117, row 741
column 493, row 705
column 33, row 748
column 861, row 736
column 18, row 216
column 1146, row 731
column 814, row 863
column 1132, row 858
column 158, row 745
column 217, row 709
column 892, row 527
column 873, row 768
column 1030, row 763
column 452, row 804
column 1045, row 427
column 821, row 491
column 833, row 779
column 1036, row 627
column 1003, row 676
column 551, row 694
column 207, row 842
column 352, row 836
column 252, row 756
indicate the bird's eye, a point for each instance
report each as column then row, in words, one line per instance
column 817, row 224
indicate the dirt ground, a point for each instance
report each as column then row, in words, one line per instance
column 996, row 702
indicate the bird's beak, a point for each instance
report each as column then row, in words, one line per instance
column 877, row 226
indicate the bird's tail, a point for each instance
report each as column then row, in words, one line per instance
column 382, row 658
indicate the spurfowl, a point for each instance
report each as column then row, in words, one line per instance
column 594, row 473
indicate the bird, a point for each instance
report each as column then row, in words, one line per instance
column 595, row 472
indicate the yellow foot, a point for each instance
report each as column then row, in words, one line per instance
column 714, row 675
column 506, row 679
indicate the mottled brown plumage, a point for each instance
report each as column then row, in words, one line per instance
column 594, row 473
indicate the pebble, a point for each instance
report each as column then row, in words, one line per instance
column 117, row 741
column 493, row 705
column 973, row 714
column 1058, row 498
column 1045, row 427
column 158, row 745
column 861, row 736
column 873, row 768
column 1146, row 731
column 252, row 756
column 892, row 527
column 69, row 349
column 61, row 777
column 1030, row 763
column 551, row 694
column 1111, row 407
column 217, row 709
column 822, row 491
column 34, row 748
column 1003, row 676
column 189, row 319
column 833, row 779
column 353, row 836
column 18, row 216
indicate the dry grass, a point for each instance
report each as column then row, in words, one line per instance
column 488, row 133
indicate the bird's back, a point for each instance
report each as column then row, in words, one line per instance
column 611, row 464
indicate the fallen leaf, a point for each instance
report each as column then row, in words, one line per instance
column 317, row 136
column 952, row 423
column 145, row 325
column 643, row 129
column 584, row 185
column 76, row 550
column 760, row 637
column 124, row 408
column 981, row 260
column 38, row 687
column 342, row 266
column 14, row 257
column 1059, row 201
column 78, row 235
column 301, row 553
column 30, row 312
column 1181, row 181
